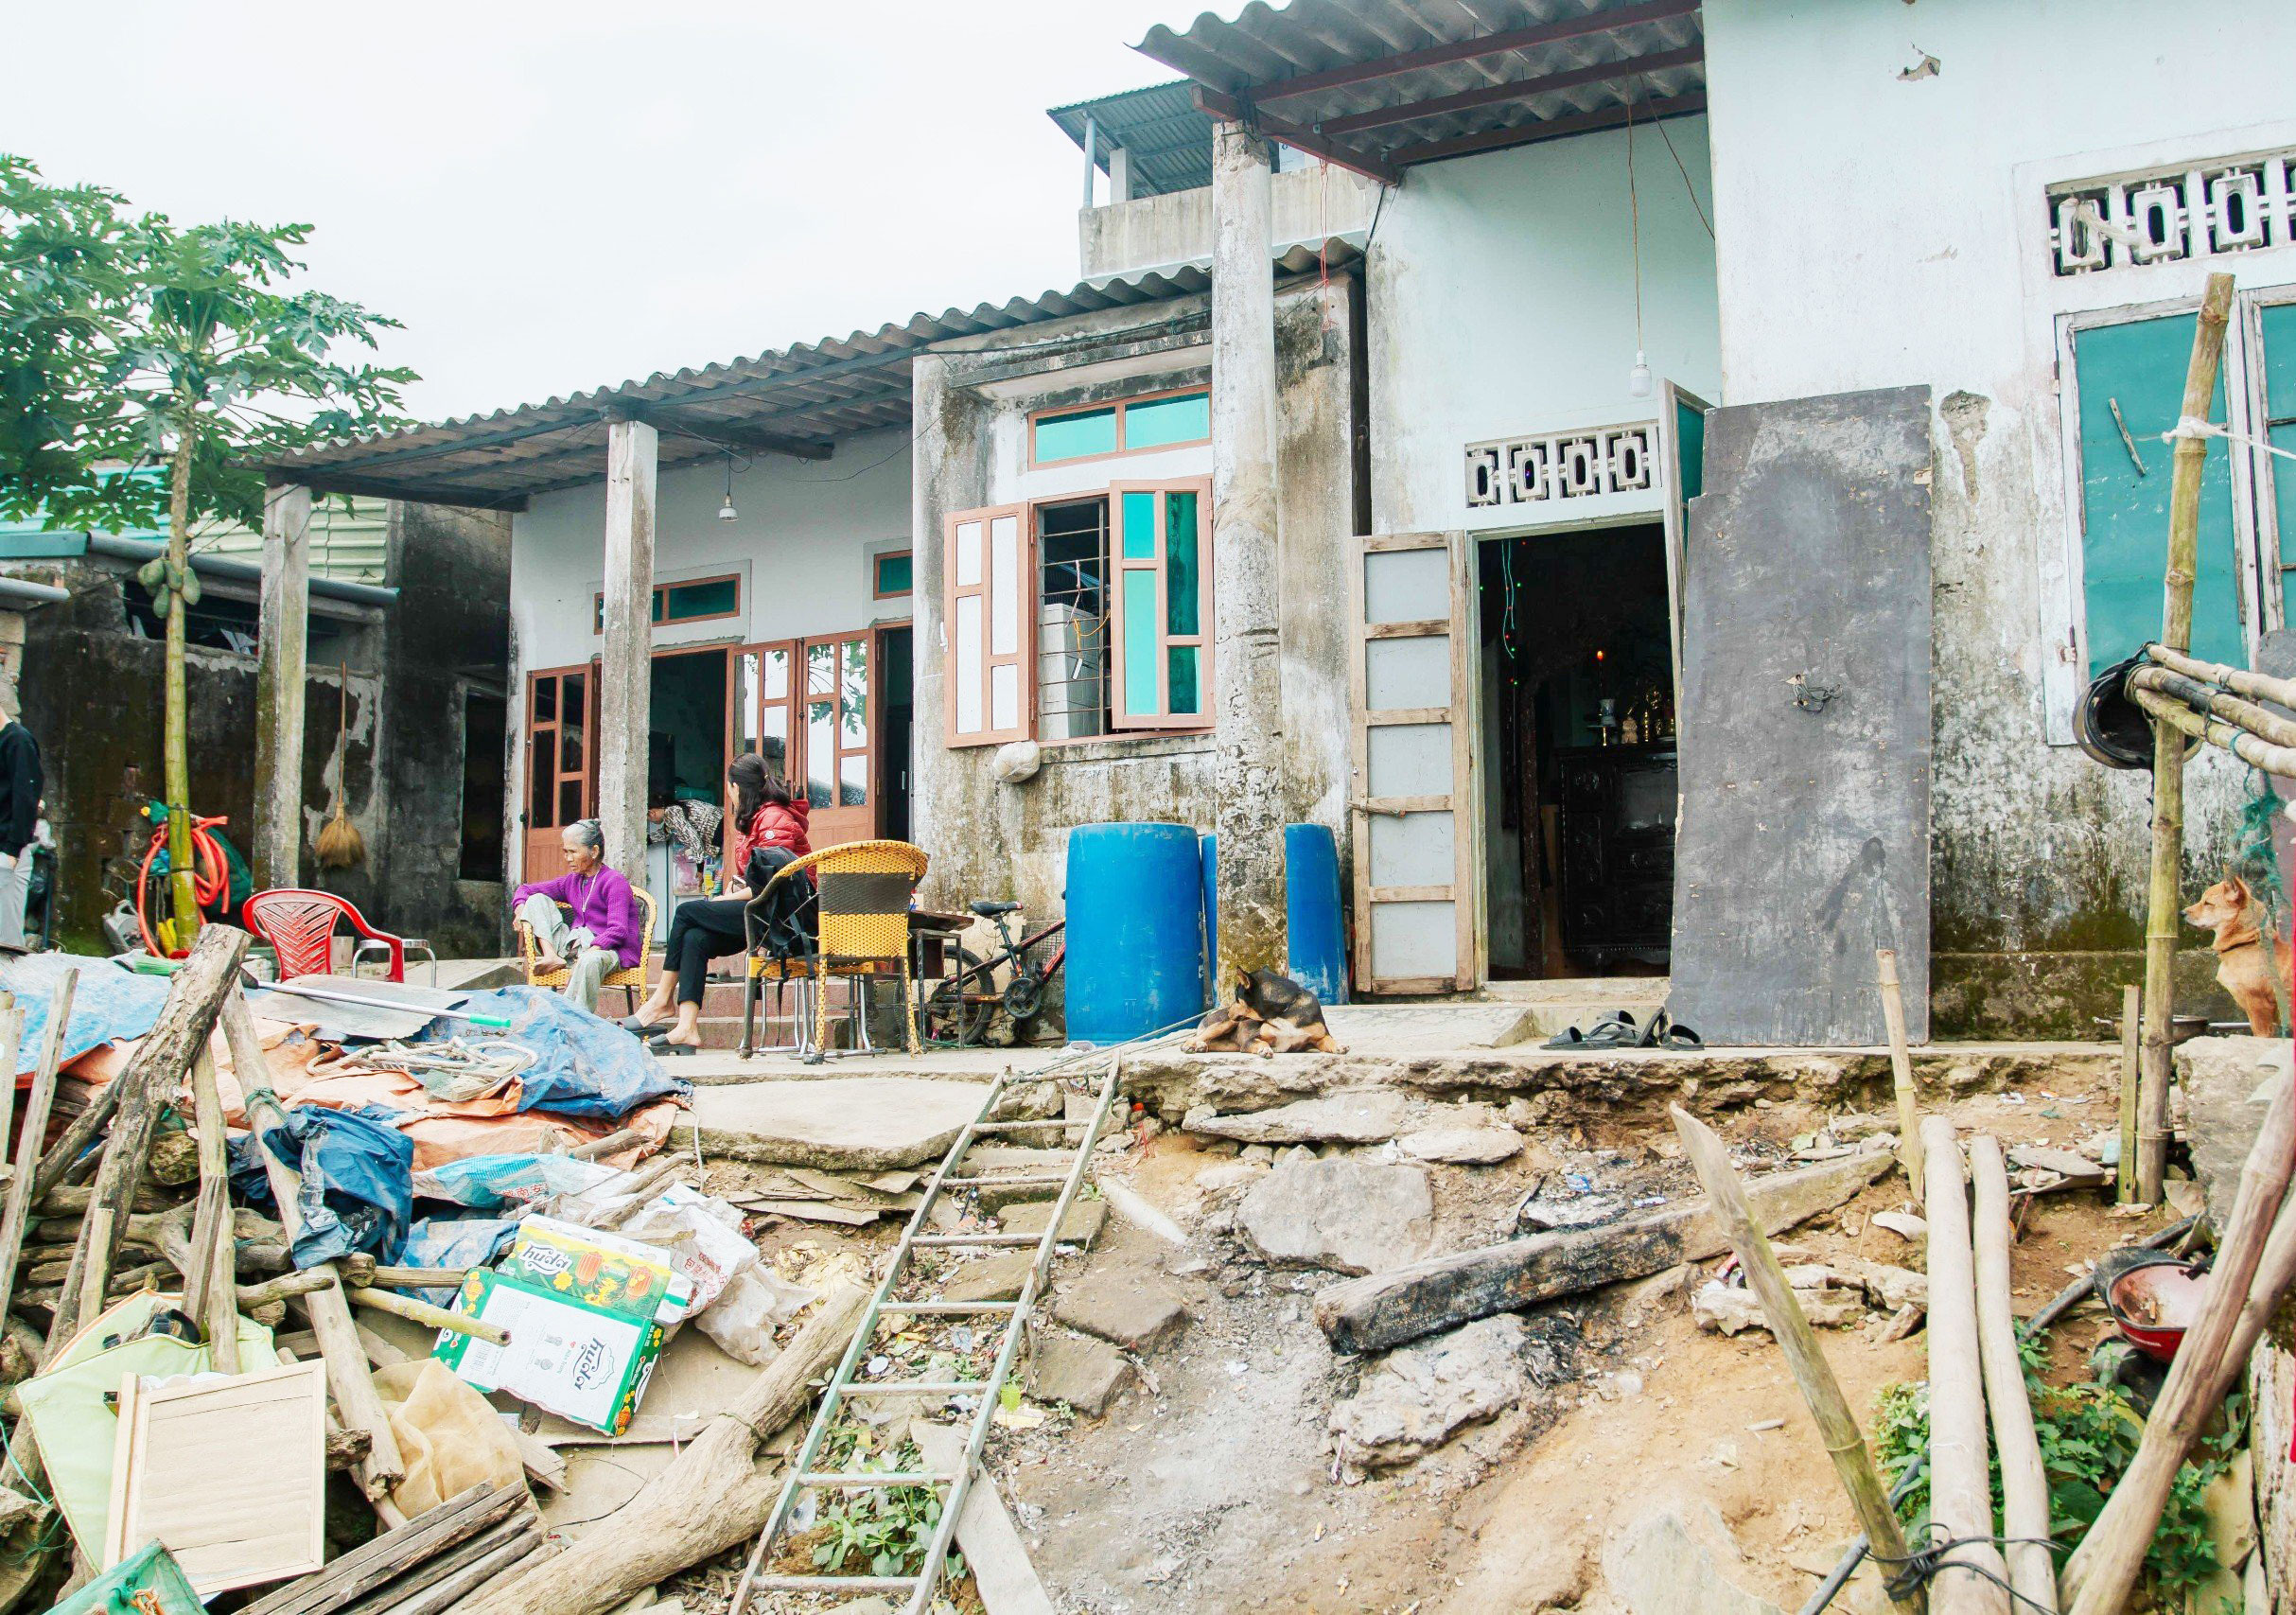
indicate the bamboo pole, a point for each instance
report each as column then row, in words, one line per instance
column 1901, row 1067
column 428, row 1316
column 1829, row 1409
column 2161, row 906
column 2215, row 703
column 2131, row 1008
column 209, row 1294
column 2099, row 1577
column 2250, row 748
column 2239, row 681
column 1960, row 1501
column 2025, row 1484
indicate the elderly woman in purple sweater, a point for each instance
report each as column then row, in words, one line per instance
column 600, row 932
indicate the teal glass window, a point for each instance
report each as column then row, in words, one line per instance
column 893, row 574
column 1140, row 642
column 1182, row 678
column 686, row 601
column 1181, row 578
column 1184, row 417
column 1139, row 529
column 1077, row 434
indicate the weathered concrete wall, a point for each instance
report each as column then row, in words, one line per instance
column 91, row 692
column 448, row 633
column 993, row 840
column 1309, row 205
column 1880, row 231
column 1501, row 300
column 92, row 696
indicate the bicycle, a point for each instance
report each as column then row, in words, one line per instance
column 957, row 1011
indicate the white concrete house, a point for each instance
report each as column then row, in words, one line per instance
column 1403, row 333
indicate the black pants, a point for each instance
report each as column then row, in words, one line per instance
column 701, row 929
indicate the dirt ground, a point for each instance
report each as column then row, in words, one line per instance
column 1212, row 1483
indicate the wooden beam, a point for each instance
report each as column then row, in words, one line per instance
column 1546, row 128
column 668, row 421
column 281, row 633
column 626, row 672
column 1467, row 49
column 1219, row 104
column 1518, row 90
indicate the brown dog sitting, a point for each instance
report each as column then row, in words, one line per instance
column 1273, row 1015
column 2247, row 963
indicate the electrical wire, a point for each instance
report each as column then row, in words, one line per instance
column 1633, row 204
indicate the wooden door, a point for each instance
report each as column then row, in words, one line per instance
column 762, row 712
column 836, row 737
column 1415, row 803
column 559, row 766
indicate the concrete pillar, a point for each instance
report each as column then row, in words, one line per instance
column 1248, row 727
column 1119, row 174
column 621, row 715
column 282, row 636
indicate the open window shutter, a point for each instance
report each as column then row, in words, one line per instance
column 987, row 623
column 1160, row 605
column 1415, row 801
column 1682, row 463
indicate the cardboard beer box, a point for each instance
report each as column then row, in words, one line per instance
column 582, row 1363
column 599, row 1270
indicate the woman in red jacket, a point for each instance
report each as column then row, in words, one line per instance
column 771, row 820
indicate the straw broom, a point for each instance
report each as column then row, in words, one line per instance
column 340, row 845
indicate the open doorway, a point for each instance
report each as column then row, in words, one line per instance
column 686, row 733
column 1578, row 746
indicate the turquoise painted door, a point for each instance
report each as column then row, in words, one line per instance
column 2277, row 323
column 2132, row 382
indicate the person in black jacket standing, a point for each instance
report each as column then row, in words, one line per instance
column 21, row 783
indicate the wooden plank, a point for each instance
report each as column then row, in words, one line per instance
column 523, row 1526
column 1901, row 1067
column 181, row 1478
column 1434, row 627
column 209, row 1293
column 1413, row 893
column 1001, row 1570
column 374, row 1564
column 35, row 1112
column 281, row 637
column 1396, row 807
column 1467, row 794
column 1387, row 716
column 1388, row 1308
column 161, row 1061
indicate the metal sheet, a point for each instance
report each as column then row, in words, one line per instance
column 1804, row 839
column 338, row 1022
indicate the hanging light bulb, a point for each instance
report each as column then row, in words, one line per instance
column 1637, row 377
column 726, row 513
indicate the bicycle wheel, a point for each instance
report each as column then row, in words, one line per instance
column 957, row 1011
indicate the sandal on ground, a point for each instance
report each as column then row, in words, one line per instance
column 637, row 1027
column 1614, row 1030
column 1664, row 1032
column 664, row 1046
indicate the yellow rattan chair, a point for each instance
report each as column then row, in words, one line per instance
column 631, row 979
column 861, row 906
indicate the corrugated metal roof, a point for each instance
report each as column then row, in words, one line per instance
column 795, row 399
column 1383, row 84
column 347, row 539
column 1167, row 134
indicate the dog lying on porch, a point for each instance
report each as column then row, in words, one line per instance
column 1273, row 1015
column 2247, row 963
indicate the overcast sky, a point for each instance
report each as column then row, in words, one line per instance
column 553, row 197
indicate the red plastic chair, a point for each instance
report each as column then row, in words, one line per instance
column 300, row 926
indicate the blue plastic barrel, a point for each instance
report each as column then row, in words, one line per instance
column 1135, row 930
column 1312, row 911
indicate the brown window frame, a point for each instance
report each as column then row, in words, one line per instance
column 662, row 589
column 1122, row 406
column 878, row 558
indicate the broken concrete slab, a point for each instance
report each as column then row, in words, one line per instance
column 1410, row 1402
column 1389, row 1307
column 1230, row 1175
column 1725, row 1308
column 1088, row 1374
column 1559, row 1086
column 1675, row 1560
column 1081, row 1226
column 1002, row 1571
column 2227, row 1090
column 1461, row 1146
column 1413, row 1029
column 1347, row 1215
column 1123, row 1306
column 990, row 1278
column 876, row 1123
column 1362, row 1115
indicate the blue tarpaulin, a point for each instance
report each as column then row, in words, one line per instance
column 358, row 1180
column 586, row 1065
column 108, row 1004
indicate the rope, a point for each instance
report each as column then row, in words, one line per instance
column 2252, row 858
column 2192, row 425
column 1923, row 1565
